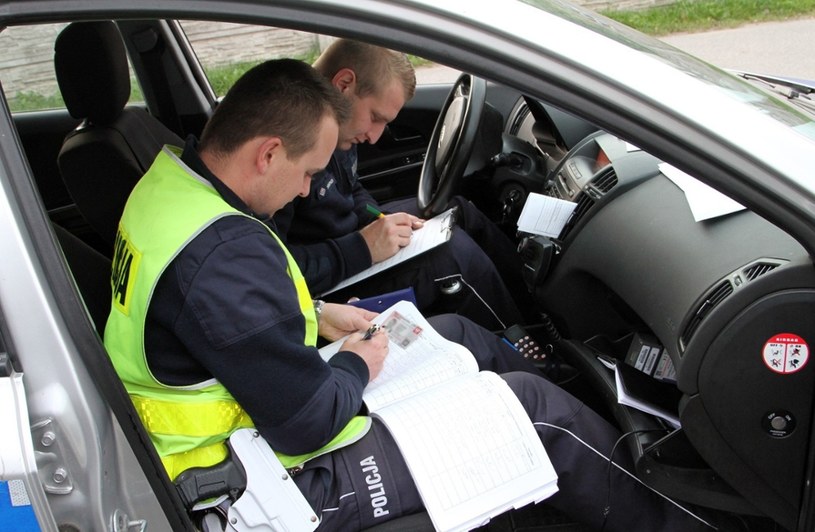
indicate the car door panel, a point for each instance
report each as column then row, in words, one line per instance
column 390, row 168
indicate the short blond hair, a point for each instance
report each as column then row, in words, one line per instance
column 284, row 98
column 375, row 67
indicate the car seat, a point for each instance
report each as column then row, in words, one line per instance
column 91, row 271
column 103, row 158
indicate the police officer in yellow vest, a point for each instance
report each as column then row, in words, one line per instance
column 212, row 327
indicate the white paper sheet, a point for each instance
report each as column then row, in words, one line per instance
column 469, row 444
column 705, row 202
column 434, row 232
column 465, row 436
column 544, row 215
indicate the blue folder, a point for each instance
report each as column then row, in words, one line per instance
column 382, row 302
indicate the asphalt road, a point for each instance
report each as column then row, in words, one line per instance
column 781, row 48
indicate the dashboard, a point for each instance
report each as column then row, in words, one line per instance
column 717, row 295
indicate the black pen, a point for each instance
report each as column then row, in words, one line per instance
column 370, row 332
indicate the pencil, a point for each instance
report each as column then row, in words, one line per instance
column 373, row 210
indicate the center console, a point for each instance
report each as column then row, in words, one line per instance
column 726, row 300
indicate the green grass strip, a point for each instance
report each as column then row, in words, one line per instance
column 699, row 15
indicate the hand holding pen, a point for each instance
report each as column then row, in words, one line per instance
column 371, row 346
column 388, row 234
column 415, row 222
column 373, row 210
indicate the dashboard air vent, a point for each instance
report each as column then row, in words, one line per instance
column 520, row 116
column 758, row 269
column 605, row 180
column 584, row 204
column 600, row 185
column 718, row 294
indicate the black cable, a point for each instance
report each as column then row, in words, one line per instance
column 607, row 507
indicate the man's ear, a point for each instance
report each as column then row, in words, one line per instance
column 345, row 80
column 268, row 149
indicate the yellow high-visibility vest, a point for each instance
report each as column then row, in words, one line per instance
column 169, row 207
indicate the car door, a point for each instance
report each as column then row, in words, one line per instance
column 390, row 168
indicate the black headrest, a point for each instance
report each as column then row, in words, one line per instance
column 91, row 68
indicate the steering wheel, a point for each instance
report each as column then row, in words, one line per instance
column 451, row 144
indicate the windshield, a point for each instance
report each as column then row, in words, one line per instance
column 798, row 93
column 797, row 114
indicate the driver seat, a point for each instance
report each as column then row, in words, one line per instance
column 103, row 158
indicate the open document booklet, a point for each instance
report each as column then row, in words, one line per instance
column 465, row 436
column 435, row 232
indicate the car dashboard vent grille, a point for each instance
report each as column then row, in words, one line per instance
column 758, row 269
column 605, row 181
column 713, row 298
column 599, row 186
column 722, row 291
column 584, row 204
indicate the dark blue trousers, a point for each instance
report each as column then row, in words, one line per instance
column 484, row 296
column 368, row 483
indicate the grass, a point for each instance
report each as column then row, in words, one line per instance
column 680, row 16
column 699, row 15
column 223, row 77
column 35, row 101
column 32, row 101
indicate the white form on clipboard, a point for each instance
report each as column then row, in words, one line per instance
column 434, row 232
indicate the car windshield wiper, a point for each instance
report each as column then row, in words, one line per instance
column 796, row 93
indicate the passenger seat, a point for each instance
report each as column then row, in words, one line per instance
column 91, row 271
column 103, row 158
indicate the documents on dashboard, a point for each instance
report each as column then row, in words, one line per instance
column 545, row 215
column 704, row 202
column 467, row 440
column 434, row 232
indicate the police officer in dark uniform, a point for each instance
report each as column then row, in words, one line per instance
column 333, row 234
column 216, row 329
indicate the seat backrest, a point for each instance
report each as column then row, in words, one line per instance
column 102, row 159
column 91, row 271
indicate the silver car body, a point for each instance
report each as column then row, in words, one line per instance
column 61, row 436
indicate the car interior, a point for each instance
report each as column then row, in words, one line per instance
column 113, row 147
column 696, row 304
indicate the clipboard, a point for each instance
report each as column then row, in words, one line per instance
column 435, row 232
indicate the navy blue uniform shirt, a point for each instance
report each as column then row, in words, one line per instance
column 225, row 308
column 325, row 239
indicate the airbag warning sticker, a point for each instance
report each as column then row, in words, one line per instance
column 786, row 353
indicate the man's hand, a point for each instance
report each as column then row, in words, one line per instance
column 338, row 320
column 373, row 350
column 385, row 236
